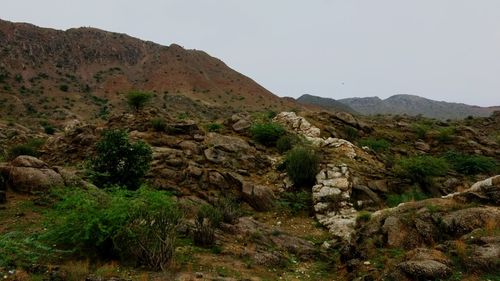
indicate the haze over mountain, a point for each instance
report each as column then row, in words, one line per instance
column 407, row 104
column 84, row 72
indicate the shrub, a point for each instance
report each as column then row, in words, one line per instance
column 445, row 135
column 135, row 226
column 207, row 220
column 378, row 145
column 137, row 100
column 49, row 129
column 420, row 130
column 471, row 164
column 159, row 125
column 421, row 169
column 302, row 165
column 351, row 133
column 64, row 88
column 286, row 142
column 228, row 208
column 363, row 216
column 120, row 162
column 412, row 195
column 296, row 202
column 30, row 148
column 267, row 133
column 214, row 127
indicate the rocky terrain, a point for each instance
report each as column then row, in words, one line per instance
column 240, row 194
column 404, row 104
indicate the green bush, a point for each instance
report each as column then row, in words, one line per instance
column 302, row 165
column 137, row 100
column 207, row 220
column 471, row 164
column 159, row 125
column 49, row 129
column 363, row 216
column 120, row 162
column 378, row 145
column 420, row 130
column 412, row 195
column 30, row 148
column 137, row 227
column 446, row 135
column 351, row 133
column 214, row 127
column 287, row 142
column 421, row 169
column 296, row 202
column 267, row 133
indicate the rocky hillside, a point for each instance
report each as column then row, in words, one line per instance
column 415, row 105
column 325, row 103
column 83, row 73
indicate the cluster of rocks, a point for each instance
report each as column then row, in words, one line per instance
column 297, row 124
column 331, row 198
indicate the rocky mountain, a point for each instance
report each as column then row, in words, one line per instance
column 324, row 103
column 84, row 72
column 415, row 105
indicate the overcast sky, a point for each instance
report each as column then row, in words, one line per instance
column 440, row 49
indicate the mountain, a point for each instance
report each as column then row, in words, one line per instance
column 415, row 105
column 325, row 103
column 85, row 72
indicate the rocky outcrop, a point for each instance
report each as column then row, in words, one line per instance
column 297, row 124
column 28, row 174
column 260, row 197
column 331, row 196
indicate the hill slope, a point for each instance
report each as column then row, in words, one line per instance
column 414, row 105
column 325, row 103
column 84, row 72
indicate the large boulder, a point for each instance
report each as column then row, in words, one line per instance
column 260, row 197
column 28, row 174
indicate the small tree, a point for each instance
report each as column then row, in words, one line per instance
column 137, row 100
column 120, row 162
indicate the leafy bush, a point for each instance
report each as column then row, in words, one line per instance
column 378, row 145
column 120, row 162
column 135, row 226
column 30, row 148
column 159, row 125
column 351, row 133
column 287, row 142
column 446, row 135
column 471, row 164
column 207, row 220
column 363, row 216
column 412, row 195
column 267, row 133
column 420, row 130
column 228, row 208
column 302, row 165
column 49, row 129
column 214, row 127
column 296, row 202
column 420, row 169
column 137, row 100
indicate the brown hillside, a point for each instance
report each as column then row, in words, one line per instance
column 84, row 72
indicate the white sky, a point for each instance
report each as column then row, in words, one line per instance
column 439, row 49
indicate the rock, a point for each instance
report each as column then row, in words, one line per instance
column 297, row 124
column 215, row 155
column 260, row 197
column 29, row 174
column 241, row 125
column 369, row 193
column 422, row 146
column 485, row 257
column 378, row 185
column 425, row 269
column 394, row 230
column 188, row 128
column 346, row 118
column 464, row 221
column 227, row 143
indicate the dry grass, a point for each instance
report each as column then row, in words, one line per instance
column 491, row 225
column 76, row 270
column 461, row 249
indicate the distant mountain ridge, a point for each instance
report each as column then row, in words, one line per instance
column 415, row 105
column 325, row 103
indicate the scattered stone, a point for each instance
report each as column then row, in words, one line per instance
column 260, row 197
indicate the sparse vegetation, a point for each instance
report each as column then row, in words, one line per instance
column 119, row 162
column 421, row 130
column 414, row 194
column 287, row 142
column 302, row 165
column 30, row 148
column 446, row 135
column 421, row 169
column 64, row 87
column 471, row 164
column 378, row 145
column 214, row 127
column 296, row 201
column 159, row 125
column 207, row 220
